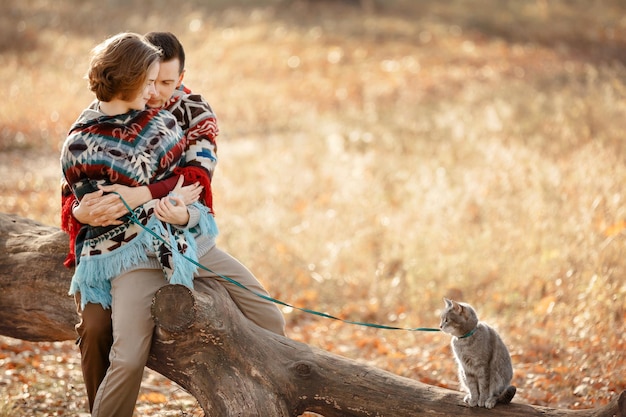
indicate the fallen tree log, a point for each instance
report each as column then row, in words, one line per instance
column 231, row 366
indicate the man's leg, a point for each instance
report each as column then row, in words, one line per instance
column 133, row 327
column 95, row 337
column 261, row 311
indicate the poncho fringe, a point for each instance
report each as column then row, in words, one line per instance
column 93, row 274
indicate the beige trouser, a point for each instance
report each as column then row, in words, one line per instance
column 133, row 325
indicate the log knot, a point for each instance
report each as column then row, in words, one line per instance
column 303, row 369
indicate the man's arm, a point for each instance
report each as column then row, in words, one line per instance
column 104, row 207
column 199, row 123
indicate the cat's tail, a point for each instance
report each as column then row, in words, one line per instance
column 507, row 395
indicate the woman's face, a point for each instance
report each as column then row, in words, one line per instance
column 148, row 91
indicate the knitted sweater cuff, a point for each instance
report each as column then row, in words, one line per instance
column 161, row 188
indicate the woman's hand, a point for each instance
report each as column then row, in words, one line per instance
column 189, row 193
column 172, row 209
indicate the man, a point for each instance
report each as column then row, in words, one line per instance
column 196, row 118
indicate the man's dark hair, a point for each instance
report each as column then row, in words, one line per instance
column 170, row 45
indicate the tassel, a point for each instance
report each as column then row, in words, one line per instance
column 71, row 226
column 195, row 174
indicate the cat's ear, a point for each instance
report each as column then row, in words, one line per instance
column 453, row 305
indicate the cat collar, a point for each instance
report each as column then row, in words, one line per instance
column 468, row 334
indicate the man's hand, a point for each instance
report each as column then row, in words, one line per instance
column 189, row 193
column 96, row 209
column 133, row 196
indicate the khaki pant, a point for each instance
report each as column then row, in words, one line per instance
column 133, row 327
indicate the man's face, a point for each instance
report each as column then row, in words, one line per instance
column 167, row 81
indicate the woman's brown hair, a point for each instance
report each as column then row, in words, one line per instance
column 119, row 66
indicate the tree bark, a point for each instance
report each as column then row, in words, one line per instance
column 204, row 343
column 34, row 304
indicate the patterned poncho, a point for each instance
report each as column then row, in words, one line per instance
column 132, row 149
column 199, row 123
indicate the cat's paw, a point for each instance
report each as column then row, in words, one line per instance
column 491, row 402
column 470, row 401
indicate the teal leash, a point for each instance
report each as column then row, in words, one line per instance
column 266, row 297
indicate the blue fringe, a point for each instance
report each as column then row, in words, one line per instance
column 93, row 275
column 184, row 269
column 89, row 294
column 207, row 224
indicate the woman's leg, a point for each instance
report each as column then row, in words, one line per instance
column 132, row 335
column 261, row 311
column 95, row 338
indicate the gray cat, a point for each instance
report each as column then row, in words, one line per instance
column 485, row 369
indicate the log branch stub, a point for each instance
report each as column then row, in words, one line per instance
column 174, row 308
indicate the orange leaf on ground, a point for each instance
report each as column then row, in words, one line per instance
column 153, row 397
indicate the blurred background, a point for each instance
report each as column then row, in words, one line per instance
column 375, row 156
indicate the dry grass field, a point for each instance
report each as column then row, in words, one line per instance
column 375, row 157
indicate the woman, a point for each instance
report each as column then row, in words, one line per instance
column 123, row 265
